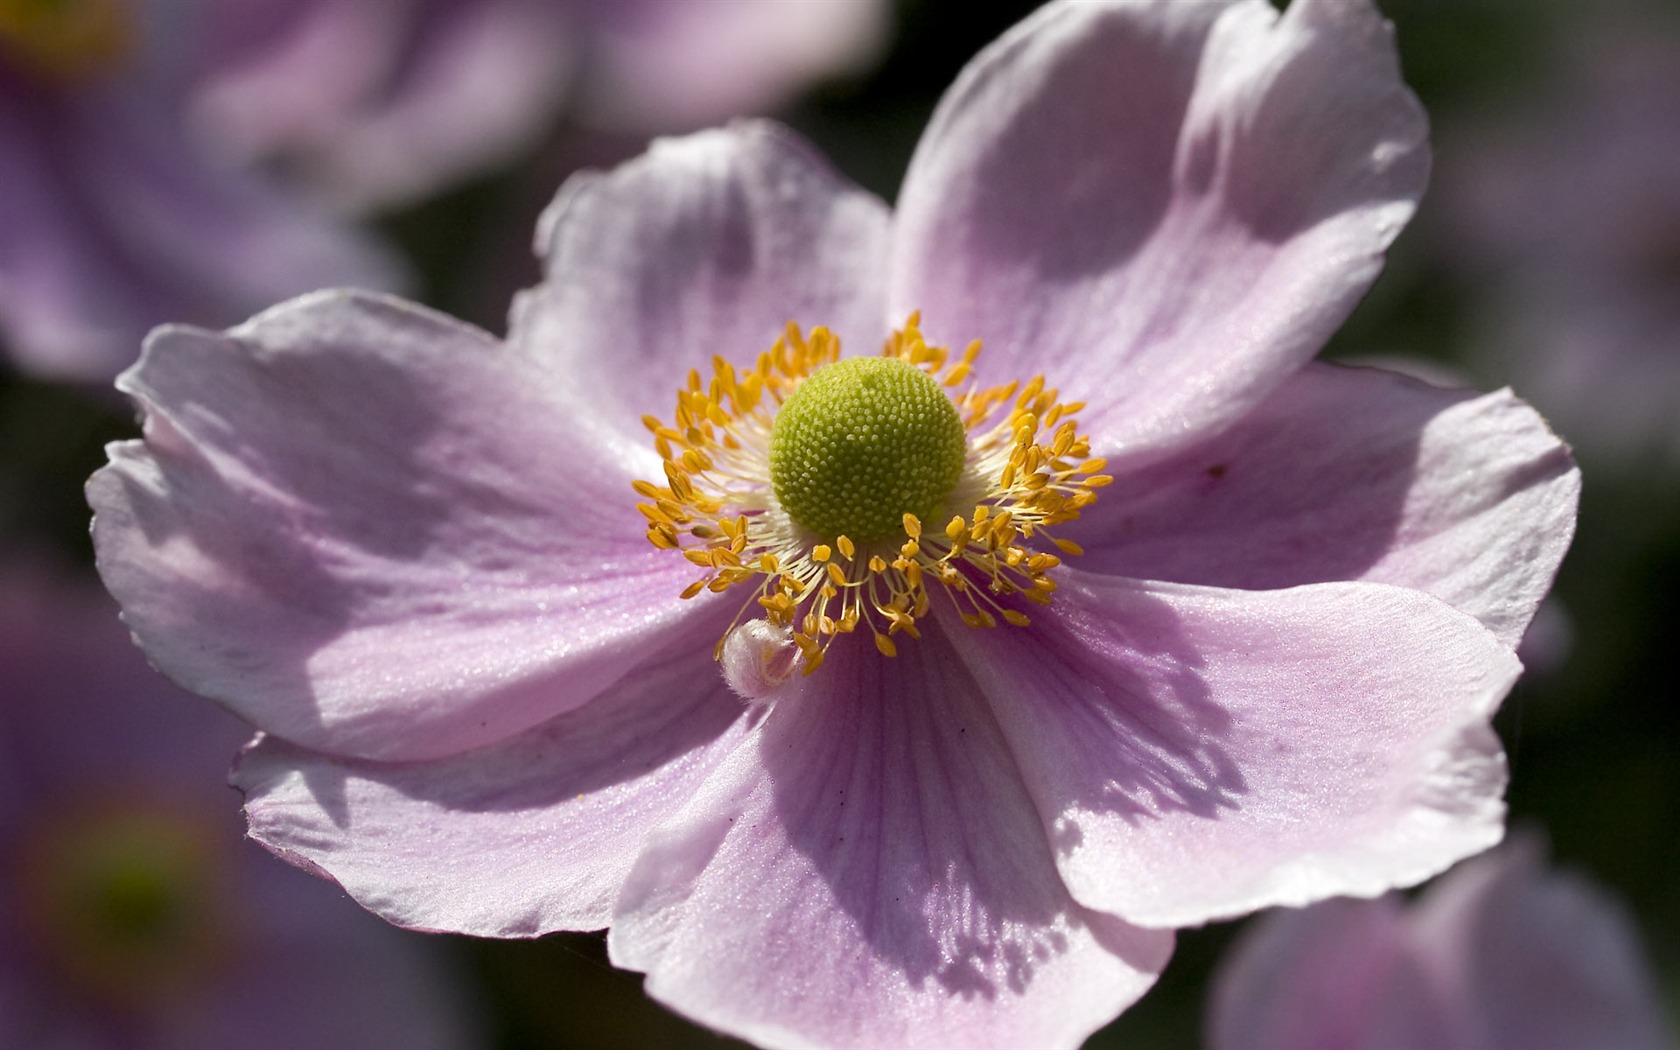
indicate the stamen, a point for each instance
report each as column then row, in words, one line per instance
column 1025, row 469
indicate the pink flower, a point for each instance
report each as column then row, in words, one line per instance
column 112, row 219
column 410, row 554
column 381, row 104
column 131, row 134
column 1501, row 954
column 132, row 915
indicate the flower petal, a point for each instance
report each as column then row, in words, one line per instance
column 372, row 531
column 868, row 872
column 708, row 244
column 1200, row 753
column 1355, row 474
column 524, row 837
column 1189, row 237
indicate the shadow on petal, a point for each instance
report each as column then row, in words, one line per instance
column 370, row 530
column 892, row 778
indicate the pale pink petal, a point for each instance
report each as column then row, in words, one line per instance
column 1166, row 207
column 524, row 837
column 1537, row 959
column 1335, row 976
column 867, row 871
column 705, row 245
column 377, row 532
column 1200, row 753
column 1355, row 474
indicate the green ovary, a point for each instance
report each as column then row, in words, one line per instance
column 863, row 442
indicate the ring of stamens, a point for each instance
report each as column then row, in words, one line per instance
column 1027, row 469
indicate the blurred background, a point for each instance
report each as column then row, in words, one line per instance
column 189, row 160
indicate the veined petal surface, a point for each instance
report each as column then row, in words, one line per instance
column 523, row 837
column 1354, row 474
column 706, row 245
column 1199, row 753
column 1172, row 204
column 373, row 531
column 867, row 871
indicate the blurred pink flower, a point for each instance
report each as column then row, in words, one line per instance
column 1564, row 215
column 134, row 134
column 379, row 104
column 131, row 913
column 408, row 552
column 1501, row 954
column 112, row 219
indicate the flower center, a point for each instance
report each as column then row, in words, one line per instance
column 863, row 442
column 812, row 476
column 67, row 39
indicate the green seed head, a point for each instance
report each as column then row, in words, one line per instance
column 863, row 442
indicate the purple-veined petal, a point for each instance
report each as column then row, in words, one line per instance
column 1165, row 207
column 524, row 837
column 868, row 871
column 1199, row 753
column 1354, row 474
column 376, row 532
column 707, row 245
